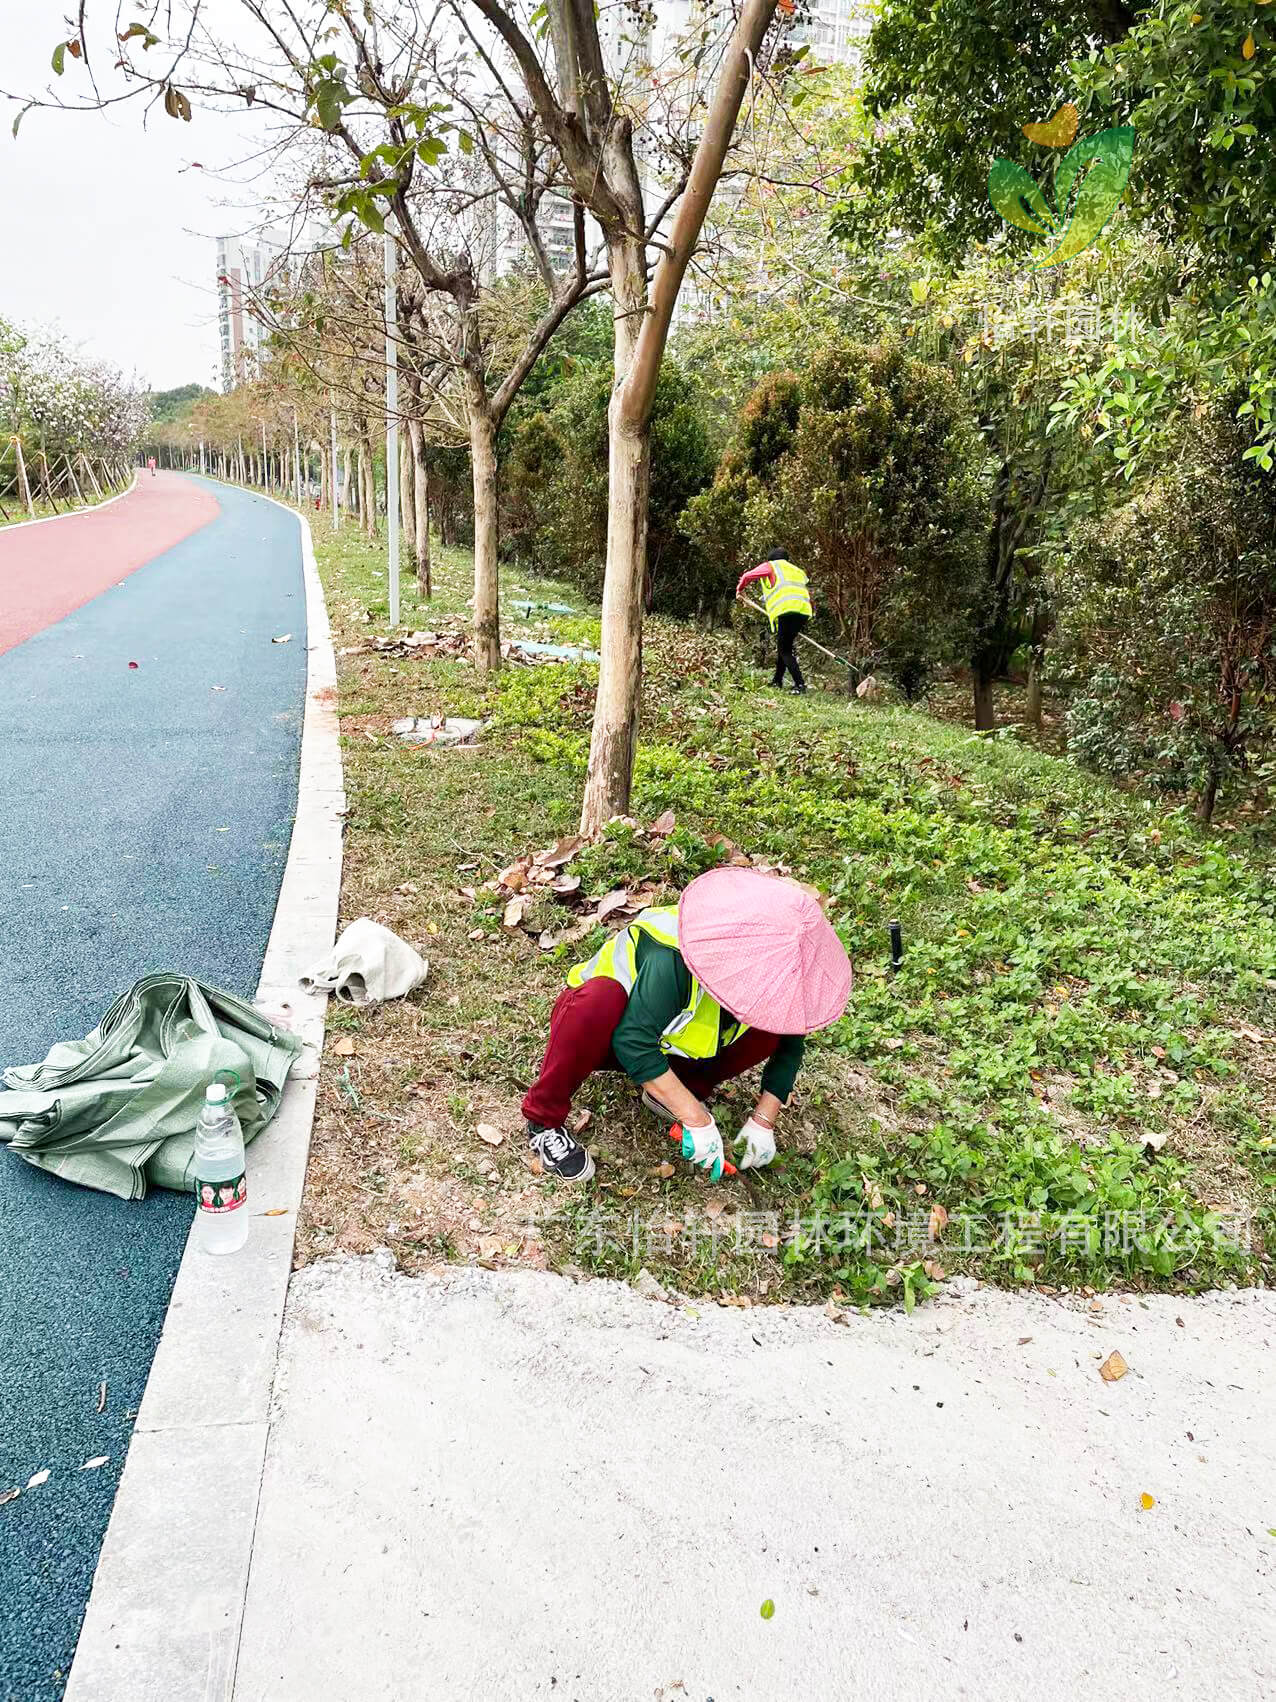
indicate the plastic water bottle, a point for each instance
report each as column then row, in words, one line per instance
column 221, row 1187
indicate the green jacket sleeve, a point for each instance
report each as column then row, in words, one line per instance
column 661, row 989
column 781, row 1068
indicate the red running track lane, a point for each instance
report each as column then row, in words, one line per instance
column 55, row 566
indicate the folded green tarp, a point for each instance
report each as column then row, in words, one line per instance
column 118, row 1110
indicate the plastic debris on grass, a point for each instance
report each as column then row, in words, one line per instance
column 437, row 730
column 454, row 645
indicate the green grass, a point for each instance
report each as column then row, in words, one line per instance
column 1082, row 970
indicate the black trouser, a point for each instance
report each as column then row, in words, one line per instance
column 787, row 628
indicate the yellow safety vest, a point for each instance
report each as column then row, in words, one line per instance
column 698, row 1030
column 785, row 593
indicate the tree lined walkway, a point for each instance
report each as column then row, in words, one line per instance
column 146, row 824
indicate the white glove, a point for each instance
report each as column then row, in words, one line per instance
column 704, row 1147
column 758, row 1143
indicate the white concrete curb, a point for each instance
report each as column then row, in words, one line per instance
column 163, row 1620
column 89, row 508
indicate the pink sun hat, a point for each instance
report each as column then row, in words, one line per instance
column 764, row 949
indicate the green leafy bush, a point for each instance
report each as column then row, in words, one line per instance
column 867, row 469
column 1168, row 622
column 554, row 518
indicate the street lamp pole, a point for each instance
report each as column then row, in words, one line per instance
column 392, row 422
column 332, row 482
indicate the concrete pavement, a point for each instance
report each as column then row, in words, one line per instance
column 145, row 825
column 506, row 1484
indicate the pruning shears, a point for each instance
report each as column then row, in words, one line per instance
column 688, row 1145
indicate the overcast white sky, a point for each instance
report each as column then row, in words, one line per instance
column 107, row 232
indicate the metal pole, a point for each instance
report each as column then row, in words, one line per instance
column 332, row 481
column 392, row 424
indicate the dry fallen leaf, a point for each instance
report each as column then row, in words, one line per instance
column 1154, row 1139
column 9, row 1495
column 714, row 1208
column 1113, row 1368
column 490, row 1133
column 663, row 825
column 476, row 933
column 559, row 854
column 1147, row 1501
column 343, row 1046
column 770, row 1240
column 513, row 913
column 609, row 904
column 93, row 1464
column 276, row 1211
column 514, row 879
column 566, row 885
column 665, row 1169
column 38, row 1479
column 938, row 1221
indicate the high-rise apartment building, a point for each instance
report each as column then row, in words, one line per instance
column 244, row 265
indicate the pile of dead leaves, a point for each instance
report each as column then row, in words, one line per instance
column 545, row 874
column 453, row 645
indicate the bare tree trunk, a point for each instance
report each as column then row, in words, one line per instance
column 642, row 330
column 407, row 503
column 487, row 580
column 1209, row 797
column 348, row 495
column 369, row 490
column 421, row 503
column 24, row 485
column 985, row 712
column 1033, row 707
column 615, row 730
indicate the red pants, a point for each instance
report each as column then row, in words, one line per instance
column 580, row 1030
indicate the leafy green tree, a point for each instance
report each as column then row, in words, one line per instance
column 170, row 404
column 948, row 85
column 869, row 471
column 556, row 488
column 1167, row 611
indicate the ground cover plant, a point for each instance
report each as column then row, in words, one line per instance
column 1069, row 1080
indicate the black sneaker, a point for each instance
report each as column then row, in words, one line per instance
column 561, row 1155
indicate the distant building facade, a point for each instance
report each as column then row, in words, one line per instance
column 245, row 265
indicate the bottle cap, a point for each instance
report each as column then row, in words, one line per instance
column 216, row 1093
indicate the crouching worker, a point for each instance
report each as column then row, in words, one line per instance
column 685, row 998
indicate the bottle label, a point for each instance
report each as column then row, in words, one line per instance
column 221, row 1196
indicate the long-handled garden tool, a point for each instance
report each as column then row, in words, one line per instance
column 852, row 668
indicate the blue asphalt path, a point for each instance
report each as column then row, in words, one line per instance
column 144, row 825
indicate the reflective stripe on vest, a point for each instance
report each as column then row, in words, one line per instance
column 698, row 1030
column 785, row 593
